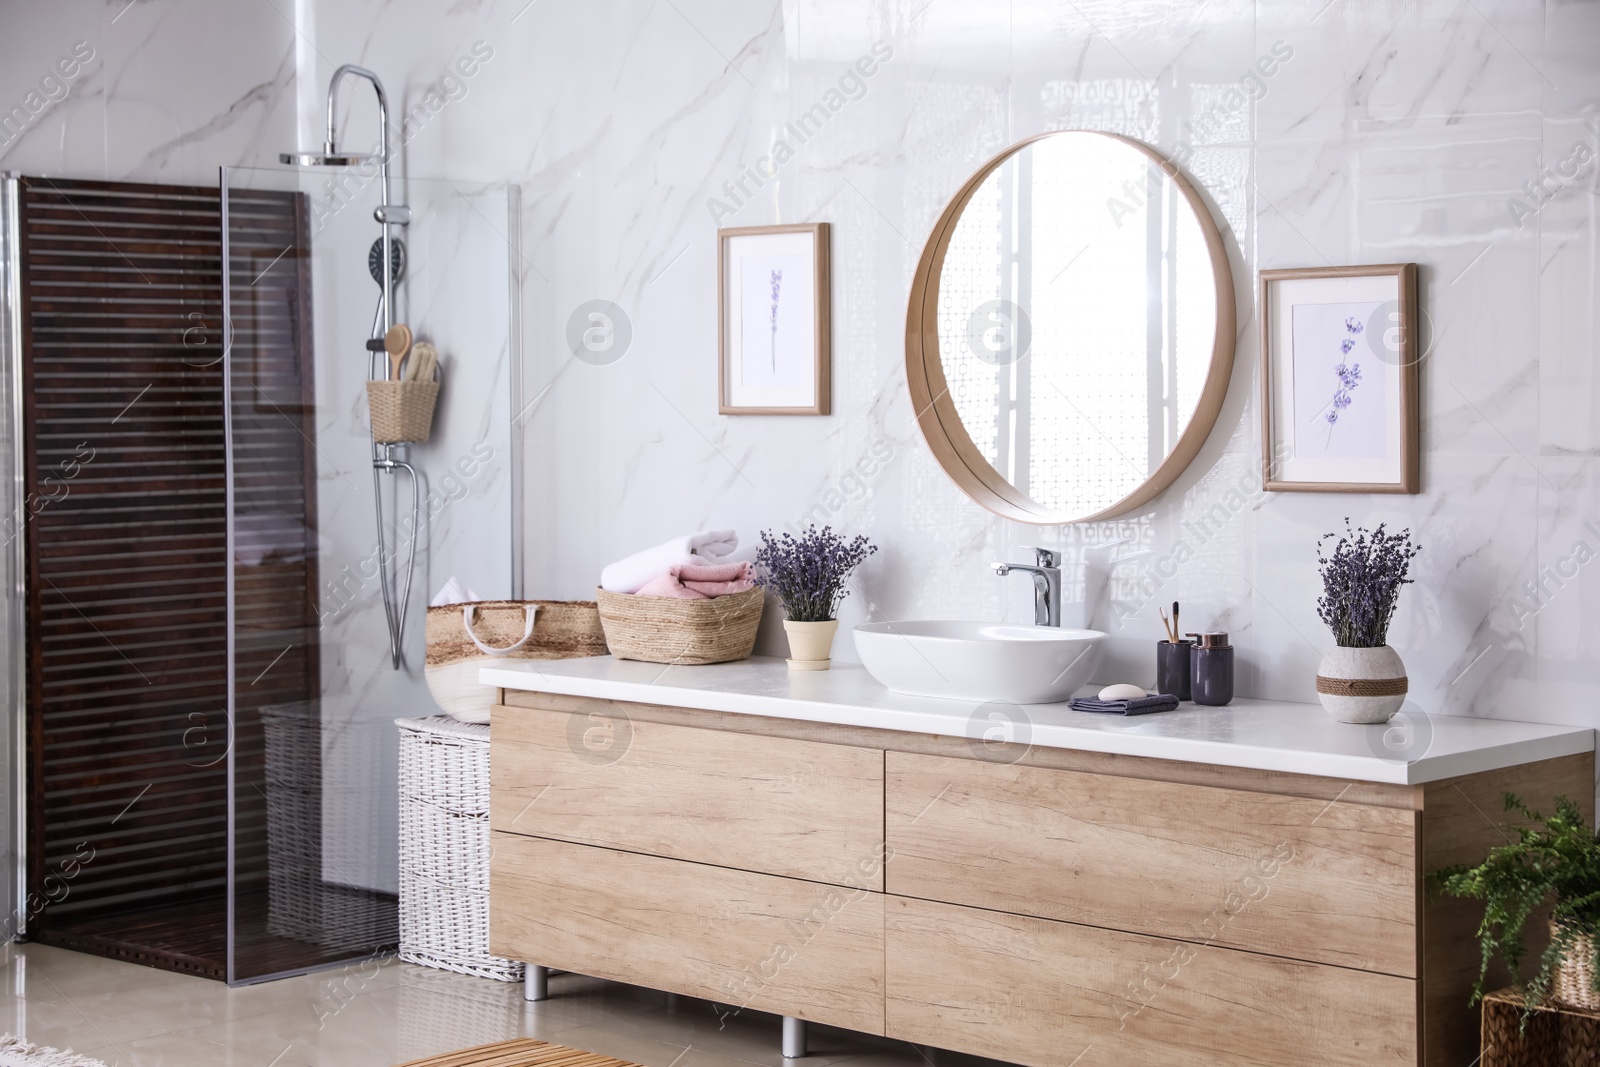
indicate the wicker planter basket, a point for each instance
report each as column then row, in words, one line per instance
column 401, row 411
column 1552, row 1036
column 444, row 848
column 1574, row 978
column 659, row 629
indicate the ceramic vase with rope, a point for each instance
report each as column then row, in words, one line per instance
column 1362, row 679
column 1362, row 685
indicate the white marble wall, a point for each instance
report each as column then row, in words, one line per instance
column 173, row 88
column 1394, row 132
column 1391, row 132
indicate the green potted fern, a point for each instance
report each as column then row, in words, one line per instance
column 1554, row 861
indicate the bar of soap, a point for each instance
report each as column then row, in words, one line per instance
column 1123, row 691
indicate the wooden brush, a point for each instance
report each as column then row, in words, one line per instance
column 397, row 342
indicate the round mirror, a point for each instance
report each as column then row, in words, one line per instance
column 1071, row 328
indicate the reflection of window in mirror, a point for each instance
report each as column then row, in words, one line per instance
column 1076, row 315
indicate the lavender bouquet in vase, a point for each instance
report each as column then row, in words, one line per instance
column 1363, row 680
column 808, row 574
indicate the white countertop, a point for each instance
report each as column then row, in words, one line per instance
column 1259, row 734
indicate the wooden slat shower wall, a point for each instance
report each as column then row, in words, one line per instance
column 126, row 613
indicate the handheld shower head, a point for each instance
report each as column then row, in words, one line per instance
column 397, row 260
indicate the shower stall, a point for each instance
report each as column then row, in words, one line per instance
column 204, row 653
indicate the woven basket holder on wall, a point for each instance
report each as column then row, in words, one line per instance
column 401, row 411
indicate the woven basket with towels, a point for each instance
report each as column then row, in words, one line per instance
column 662, row 630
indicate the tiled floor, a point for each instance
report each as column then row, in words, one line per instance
column 378, row 1015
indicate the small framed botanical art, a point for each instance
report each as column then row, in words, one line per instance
column 1339, row 389
column 773, row 325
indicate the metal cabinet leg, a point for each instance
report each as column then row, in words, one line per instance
column 794, row 1038
column 536, row 986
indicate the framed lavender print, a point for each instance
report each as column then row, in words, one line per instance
column 773, row 324
column 1339, row 388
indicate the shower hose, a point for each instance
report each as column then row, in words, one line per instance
column 384, row 462
column 395, row 608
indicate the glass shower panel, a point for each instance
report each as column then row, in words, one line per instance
column 322, row 521
column 12, row 561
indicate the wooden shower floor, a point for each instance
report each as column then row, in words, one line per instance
column 192, row 938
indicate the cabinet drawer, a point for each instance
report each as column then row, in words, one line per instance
column 1033, row 991
column 1330, row 883
column 750, row 940
column 802, row 809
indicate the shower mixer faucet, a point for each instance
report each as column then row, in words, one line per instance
column 387, row 264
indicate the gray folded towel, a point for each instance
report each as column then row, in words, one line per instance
column 1144, row 706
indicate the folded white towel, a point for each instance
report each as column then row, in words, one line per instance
column 628, row 575
column 453, row 593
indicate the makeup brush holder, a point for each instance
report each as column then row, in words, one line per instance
column 402, row 411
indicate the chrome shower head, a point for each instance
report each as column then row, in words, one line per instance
column 324, row 159
column 330, row 156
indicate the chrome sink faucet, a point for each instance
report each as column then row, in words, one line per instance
column 1046, row 585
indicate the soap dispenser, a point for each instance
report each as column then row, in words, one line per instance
column 1211, row 668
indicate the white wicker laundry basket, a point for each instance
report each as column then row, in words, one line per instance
column 444, row 848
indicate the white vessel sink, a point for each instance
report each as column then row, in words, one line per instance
column 979, row 660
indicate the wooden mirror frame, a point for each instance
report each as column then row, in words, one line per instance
column 930, row 393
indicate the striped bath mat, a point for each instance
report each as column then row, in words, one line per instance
column 523, row 1052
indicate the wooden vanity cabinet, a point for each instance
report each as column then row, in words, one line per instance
column 1040, row 992
column 1038, row 907
column 740, row 938
column 797, row 808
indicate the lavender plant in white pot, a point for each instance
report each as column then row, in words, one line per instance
column 1363, row 680
column 808, row 574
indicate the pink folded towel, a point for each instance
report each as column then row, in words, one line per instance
column 716, row 579
column 714, row 572
column 669, row 585
column 700, row 581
